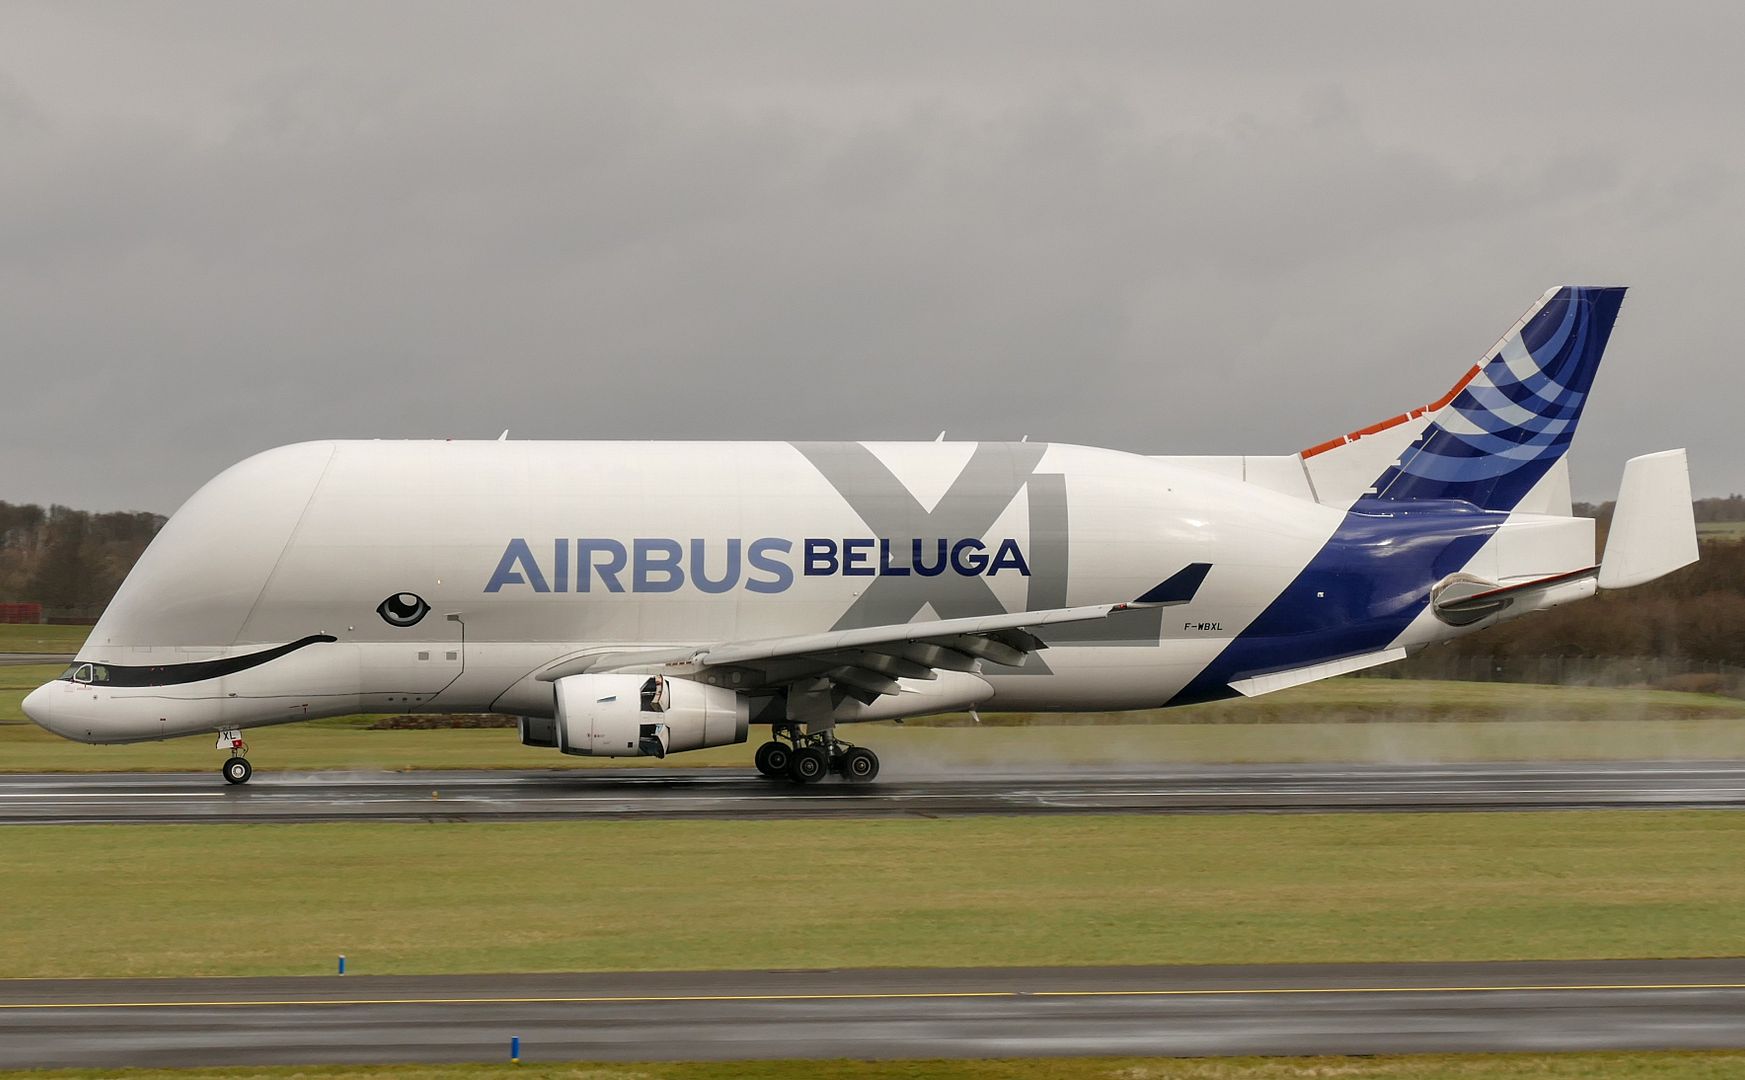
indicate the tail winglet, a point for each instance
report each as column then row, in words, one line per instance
column 1654, row 529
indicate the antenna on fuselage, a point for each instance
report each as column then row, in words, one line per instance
column 504, row 437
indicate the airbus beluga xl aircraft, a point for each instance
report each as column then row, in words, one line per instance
column 648, row 598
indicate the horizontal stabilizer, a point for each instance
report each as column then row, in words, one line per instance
column 1654, row 529
column 1464, row 600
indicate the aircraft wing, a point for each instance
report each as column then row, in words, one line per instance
column 867, row 662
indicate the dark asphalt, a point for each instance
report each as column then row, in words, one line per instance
column 19, row 659
column 1288, row 1009
column 733, row 793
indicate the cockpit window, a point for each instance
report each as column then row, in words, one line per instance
column 86, row 673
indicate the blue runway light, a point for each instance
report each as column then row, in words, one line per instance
column 342, row 963
column 515, row 1049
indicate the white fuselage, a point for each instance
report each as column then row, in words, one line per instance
column 309, row 539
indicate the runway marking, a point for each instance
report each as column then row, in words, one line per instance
column 112, row 795
column 944, row 796
column 260, row 801
column 919, row 995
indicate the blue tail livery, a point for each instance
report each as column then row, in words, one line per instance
column 1512, row 417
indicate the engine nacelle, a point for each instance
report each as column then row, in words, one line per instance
column 645, row 715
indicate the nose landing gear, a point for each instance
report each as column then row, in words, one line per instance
column 806, row 759
column 237, row 770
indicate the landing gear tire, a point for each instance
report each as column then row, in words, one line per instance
column 237, row 770
column 808, row 765
column 859, row 765
column 773, row 758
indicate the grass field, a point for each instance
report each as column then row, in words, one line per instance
column 1626, row 1066
column 1721, row 530
column 1339, row 720
column 395, row 898
column 15, row 637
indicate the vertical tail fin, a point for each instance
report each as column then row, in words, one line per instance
column 1491, row 438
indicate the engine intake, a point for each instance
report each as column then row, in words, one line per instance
column 645, row 715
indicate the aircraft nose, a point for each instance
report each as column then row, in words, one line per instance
column 43, row 708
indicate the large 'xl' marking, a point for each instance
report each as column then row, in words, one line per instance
column 996, row 472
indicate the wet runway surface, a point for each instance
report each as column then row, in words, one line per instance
column 22, row 659
column 735, row 793
column 1282, row 1009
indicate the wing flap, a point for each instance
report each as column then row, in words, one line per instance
column 937, row 631
column 872, row 661
column 1257, row 685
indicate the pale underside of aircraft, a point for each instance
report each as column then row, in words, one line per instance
column 648, row 598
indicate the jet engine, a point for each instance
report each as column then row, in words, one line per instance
column 645, row 715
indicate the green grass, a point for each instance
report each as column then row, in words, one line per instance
column 1721, row 530
column 1712, row 1065
column 396, row 898
column 1340, row 720
column 19, row 637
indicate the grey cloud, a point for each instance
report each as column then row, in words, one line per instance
column 1163, row 228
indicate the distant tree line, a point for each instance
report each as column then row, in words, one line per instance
column 70, row 561
column 1696, row 614
column 1731, row 508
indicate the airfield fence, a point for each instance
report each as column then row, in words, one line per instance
column 20, row 613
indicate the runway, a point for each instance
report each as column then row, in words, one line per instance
column 921, row 1013
column 735, row 793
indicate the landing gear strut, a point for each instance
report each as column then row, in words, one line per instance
column 237, row 770
column 808, row 758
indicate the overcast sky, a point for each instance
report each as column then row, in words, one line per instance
column 1213, row 228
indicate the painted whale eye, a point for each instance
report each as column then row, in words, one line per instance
column 403, row 609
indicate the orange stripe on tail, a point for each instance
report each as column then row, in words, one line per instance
column 1353, row 436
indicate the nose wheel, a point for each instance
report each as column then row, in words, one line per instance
column 237, row 770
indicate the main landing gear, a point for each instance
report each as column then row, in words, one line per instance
column 806, row 759
column 237, row 770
